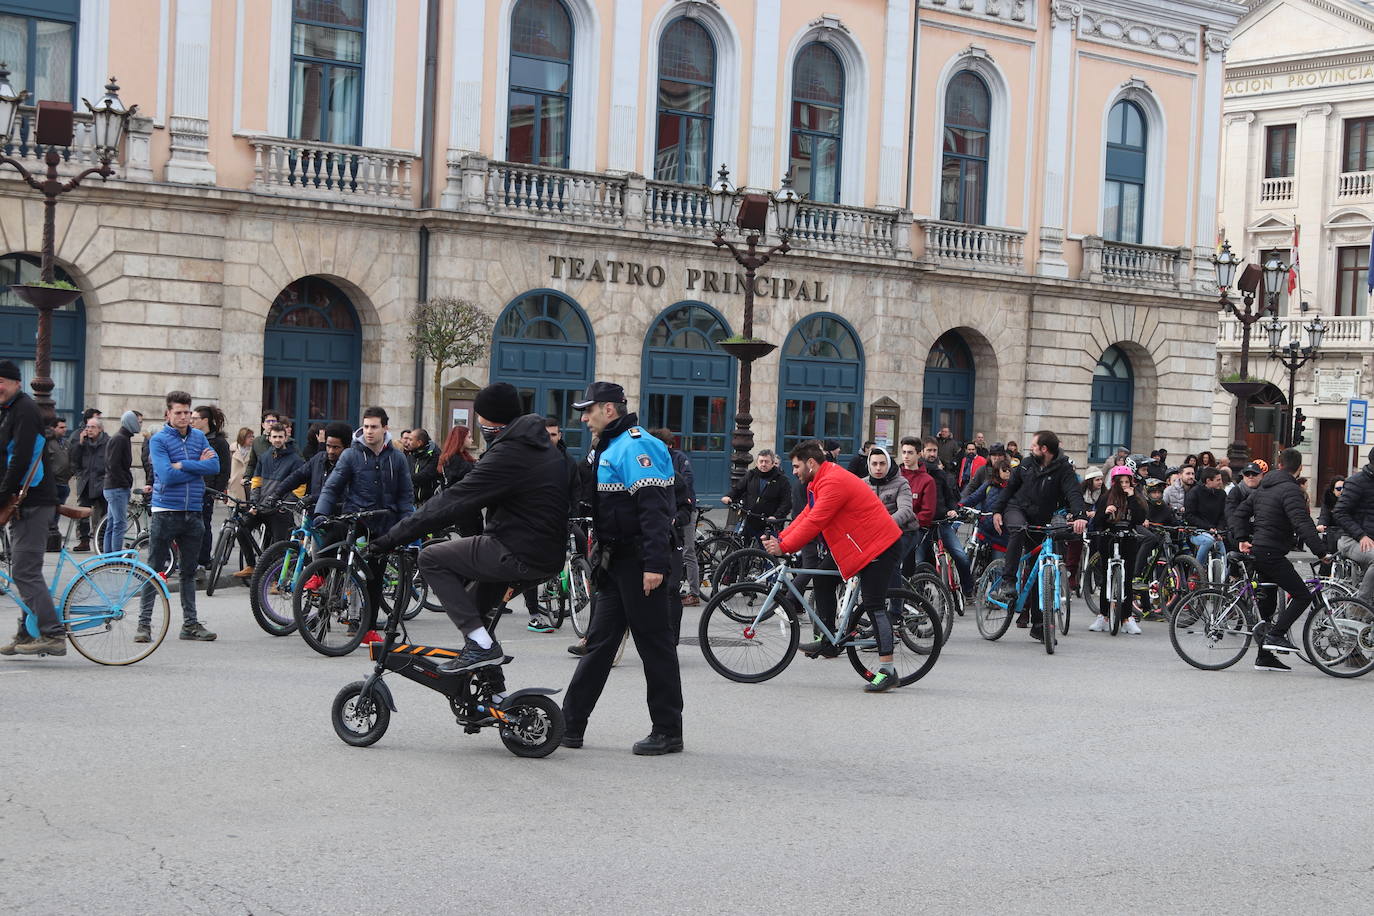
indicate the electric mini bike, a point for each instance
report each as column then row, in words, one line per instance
column 529, row 722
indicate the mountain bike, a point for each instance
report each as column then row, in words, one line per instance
column 569, row 594
column 749, row 632
column 241, row 513
column 1041, row 574
column 333, row 612
column 277, row 577
column 99, row 605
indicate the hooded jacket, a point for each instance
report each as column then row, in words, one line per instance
column 894, row 491
column 364, row 480
column 274, row 465
column 767, row 494
column 1276, row 516
column 923, row 493
column 424, row 471
column 1041, row 491
column 21, row 444
column 119, row 454
column 848, row 514
column 522, row 480
column 1354, row 512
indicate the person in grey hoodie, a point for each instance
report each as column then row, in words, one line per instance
column 119, row 481
column 891, row 487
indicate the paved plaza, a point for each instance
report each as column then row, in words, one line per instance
column 1110, row 777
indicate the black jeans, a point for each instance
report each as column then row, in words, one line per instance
column 874, row 581
column 469, row 575
column 187, row 529
column 1013, row 521
column 621, row 604
column 1274, row 566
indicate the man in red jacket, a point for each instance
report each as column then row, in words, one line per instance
column 923, row 498
column 863, row 541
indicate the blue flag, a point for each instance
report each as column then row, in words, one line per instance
column 1369, row 271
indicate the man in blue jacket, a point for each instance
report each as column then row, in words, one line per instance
column 182, row 458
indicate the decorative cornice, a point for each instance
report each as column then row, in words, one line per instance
column 1239, row 71
column 1014, row 12
column 828, row 23
column 1113, row 29
column 693, row 7
column 1215, row 43
column 1064, row 11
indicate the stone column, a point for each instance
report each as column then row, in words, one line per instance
column 1236, row 190
column 1053, row 220
column 764, row 106
column 469, row 36
column 1316, row 159
column 1209, row 169
column 896, row 85
column 625, row 79
column 190, row 119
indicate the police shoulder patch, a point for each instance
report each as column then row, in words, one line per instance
column 636, row 432
column 645, row 461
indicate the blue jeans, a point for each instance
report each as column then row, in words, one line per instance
column 118, row 501
column 949, row 536
column 188, row 530
column 1205, row 544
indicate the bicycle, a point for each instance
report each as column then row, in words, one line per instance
column 569, row 594
column 333, row 616
column 713, row 551
column 1120, row 600
column 758, row 621
column 139, row 518
column 241, row 513
column 1174, row 571
column 1213, row 628
column 1041, row 570
column 99, row 606
column 277, row 577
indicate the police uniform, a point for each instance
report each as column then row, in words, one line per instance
column 632, row 508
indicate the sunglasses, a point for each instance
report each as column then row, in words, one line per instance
column 1250, row 474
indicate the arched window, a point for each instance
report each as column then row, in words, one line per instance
column 543, row 346
column 1112, row 405
column 312, row 354
column 964, row 169
column 541, row 53
column 1123, row 209
column 327, row 70
column 949, row 380
column 689, row 387
column 817, row 123
column 686, row 104
column 19, row 333
column 822, row 379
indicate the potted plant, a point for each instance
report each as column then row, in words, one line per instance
column 1242, row 387
column 41, row 294
column 747, row 349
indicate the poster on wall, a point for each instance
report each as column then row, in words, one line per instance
column 883, row 431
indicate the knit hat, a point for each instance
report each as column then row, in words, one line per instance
column 9, row 370
column 499, row 402
column 129, row 421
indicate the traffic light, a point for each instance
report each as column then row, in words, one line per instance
column 1299, row 424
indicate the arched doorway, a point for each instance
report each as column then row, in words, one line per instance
column 821, row 383
column 949, row 380
column 1265, row 415
column 689, row 387
column 543, row 346
column 19, row 335
column 1113, row 405
column 312, row 363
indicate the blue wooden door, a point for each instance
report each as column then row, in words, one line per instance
column 822, row 383
column 312, row 356
column 689, row 387
column 1112, row 405
column 949, row 381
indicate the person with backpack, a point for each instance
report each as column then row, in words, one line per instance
column 119, row 481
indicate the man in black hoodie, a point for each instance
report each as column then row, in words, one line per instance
column 1270, row 523
column 1204, row 506
column 522, row 479
column 763, row 493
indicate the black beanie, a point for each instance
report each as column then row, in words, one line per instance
column 499, row 402
column 9, row 370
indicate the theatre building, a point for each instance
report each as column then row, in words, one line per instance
column 1008, row 209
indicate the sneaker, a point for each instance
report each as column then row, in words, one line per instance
column 43, row 645
column 1268, row 661
column 578, row 648
column 196, row 632
column 244, row 573
column 1099, row 625
column 313, row 583
column 12, row 647
column 371, row 636
column 1130, row 627
column 1278, row 643
column 1023, row 619
column 1037, row 633
column 472, row 657
column 882, row 681
column 144, row 633
column 1004, row 592
column 539, row 625
column 690, row 601
column 821, row 648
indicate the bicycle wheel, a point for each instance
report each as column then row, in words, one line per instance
column 1210, row 629
column 1187, row 576
column 743, row 565
column 583, row 591
column 101, row 610
column 744, row 651
column 992, row 617
column 357, row 721
column 333, row 617
column 931, row 587
column 1049, row 601
column 1061, row 620
column 1117, row 605
column 712, row 550
column 1090, row 582
column 551, row 600
column 271, row 588
column 531, row 726
column 1341, row 642
column 392, row 589
column 223, row 547
column 915, row 638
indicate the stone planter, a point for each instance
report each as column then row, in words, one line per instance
column 748, row 350
column 1244, row 389
column 41, row 297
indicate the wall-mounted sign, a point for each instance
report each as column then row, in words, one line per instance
column 1303, row 79
column 1334, row 386
column 634, row 273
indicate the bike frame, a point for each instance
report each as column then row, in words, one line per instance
column 783, row 574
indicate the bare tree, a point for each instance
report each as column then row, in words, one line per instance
column 449, row 333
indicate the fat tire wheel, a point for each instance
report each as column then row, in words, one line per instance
column 376, row 718
column 518, row 715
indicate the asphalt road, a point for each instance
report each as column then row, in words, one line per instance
column 1108, row 778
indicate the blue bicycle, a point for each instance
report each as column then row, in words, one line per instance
column 277, row 576
column 99, row 604
column 1041, row 575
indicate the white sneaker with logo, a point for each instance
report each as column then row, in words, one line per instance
column 1099, row 625
column 1131, row 627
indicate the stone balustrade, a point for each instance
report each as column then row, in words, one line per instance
column 351, row 174
column 1355, row 184
column 133, row 164
column 1276, row 190
column 974, row 247
column 1349, row 332
column 1136, row 265
column 883, row 232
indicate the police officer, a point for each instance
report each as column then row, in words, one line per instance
column 632, row 509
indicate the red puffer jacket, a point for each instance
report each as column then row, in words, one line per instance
column 845, row 511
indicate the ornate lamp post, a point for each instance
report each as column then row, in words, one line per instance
column 749, row 213
column 1293, row 356
column 1226, row 263
column 109, row 117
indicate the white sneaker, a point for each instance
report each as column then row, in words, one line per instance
column 1099, row 625
column 1131, row 627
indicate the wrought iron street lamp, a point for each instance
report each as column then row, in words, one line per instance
column 1293, row 356
column 732, row 209
column 54, row 130
column 1226, row 264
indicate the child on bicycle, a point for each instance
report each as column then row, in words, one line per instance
column 1119, row 511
